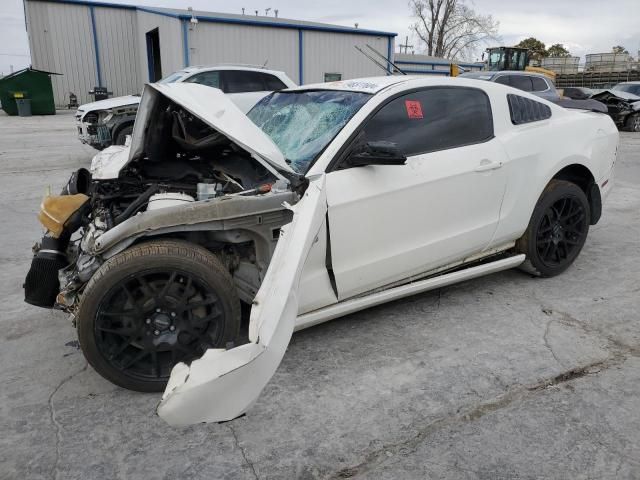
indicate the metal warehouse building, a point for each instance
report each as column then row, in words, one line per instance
column 121, row 47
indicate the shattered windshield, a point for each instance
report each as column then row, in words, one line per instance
column 303, row 123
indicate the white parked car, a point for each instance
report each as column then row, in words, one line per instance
column 109, row 122
column 324, row 200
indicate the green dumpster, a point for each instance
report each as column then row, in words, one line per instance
column 31, row 84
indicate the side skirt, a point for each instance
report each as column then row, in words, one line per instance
column 360, row 303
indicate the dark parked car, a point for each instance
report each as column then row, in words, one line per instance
column 577, row 93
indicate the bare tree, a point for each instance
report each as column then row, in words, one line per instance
column 451, row 28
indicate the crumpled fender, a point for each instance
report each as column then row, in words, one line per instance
column 224, row 384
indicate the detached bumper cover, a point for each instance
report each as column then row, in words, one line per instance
column 224, row 384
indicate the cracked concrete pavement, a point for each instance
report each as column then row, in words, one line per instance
column 505, row 376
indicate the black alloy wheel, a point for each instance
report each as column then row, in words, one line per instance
column 561, row 231
column 557, row 230
column 154, row 319
column 154, row 305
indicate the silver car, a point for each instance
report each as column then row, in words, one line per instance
column 535, row 83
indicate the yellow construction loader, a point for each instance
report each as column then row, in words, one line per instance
column 508, row 58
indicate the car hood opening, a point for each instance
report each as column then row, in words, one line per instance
column 216, row 110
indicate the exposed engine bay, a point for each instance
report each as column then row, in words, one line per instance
column 182, row 160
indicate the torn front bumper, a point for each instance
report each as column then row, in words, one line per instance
column 224, row 384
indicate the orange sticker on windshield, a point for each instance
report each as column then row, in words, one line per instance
column 414, row 108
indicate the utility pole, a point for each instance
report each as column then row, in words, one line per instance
column 406, row 45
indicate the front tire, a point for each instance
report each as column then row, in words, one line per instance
column 557, row 230
column 152, row 306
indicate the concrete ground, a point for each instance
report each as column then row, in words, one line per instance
column 505, row 376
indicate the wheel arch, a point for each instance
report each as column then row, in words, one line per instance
column 582, row 176
column 118, row 127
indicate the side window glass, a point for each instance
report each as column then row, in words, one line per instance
column 503, row 79
column 539, row 84
column 210, row 79
column 433, row 119
column 239, row 81
column 272, row 82
column 521, row 82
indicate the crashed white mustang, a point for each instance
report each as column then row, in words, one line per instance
column 327, row 199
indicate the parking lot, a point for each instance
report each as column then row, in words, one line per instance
column 505, row 376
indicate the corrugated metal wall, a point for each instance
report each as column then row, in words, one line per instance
column 171, row 51
column 326, row 52
column 61, row 41
column 212, row 43
column 117, row 36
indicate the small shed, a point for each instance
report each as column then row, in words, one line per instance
column 29, row 83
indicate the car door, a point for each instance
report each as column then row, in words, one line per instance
column 389, row 222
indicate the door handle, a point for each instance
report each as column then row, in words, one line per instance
column 486, row 165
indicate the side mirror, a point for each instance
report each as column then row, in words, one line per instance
column 377, row 153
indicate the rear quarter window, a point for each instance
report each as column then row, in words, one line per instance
column 273, row 83
column 524, row 110
column 539, row 85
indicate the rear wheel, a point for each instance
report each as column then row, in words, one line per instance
column 633, row 123
column 152, row 306
column 557, row 230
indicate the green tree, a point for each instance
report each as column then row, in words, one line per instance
column 557, row 50
column 619, row 49
column 537, row 49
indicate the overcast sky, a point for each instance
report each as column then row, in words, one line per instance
column 583, row 26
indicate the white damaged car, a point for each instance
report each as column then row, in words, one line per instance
column 324, row 200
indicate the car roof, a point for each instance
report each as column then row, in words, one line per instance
column 366, row 85
column 490, row 74
column 635, row 82
column 248, row 68
column 374, row 85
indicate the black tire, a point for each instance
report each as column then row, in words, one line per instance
column 174, row 300
column 121, row 135
column 633, row 123
column 557, row 230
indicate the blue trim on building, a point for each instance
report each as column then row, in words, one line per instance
column 185, row 42
column 237, row 21
column 300, row 58
column 96, row 47
column 436, row 62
